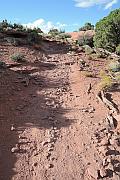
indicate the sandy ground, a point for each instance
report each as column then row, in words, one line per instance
column 47, row 118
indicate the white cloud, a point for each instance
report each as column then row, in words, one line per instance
column 110, row 4
column 90, row 3
column 45, row 26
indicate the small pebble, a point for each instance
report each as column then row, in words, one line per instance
column 12, row 128
column 44, row 143
column 48, row 166
column 103, row 172
column 15, row 150
column 50, row 149
column 104, row 141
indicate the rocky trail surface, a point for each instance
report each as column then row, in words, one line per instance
column 51, row 126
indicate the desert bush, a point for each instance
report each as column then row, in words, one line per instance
column 59, row 35
column 80, row 41
column 18, row 57
column 92, row 57
column 117, row 77
column 106, row 81
column 88, row 40
column 114, row 66
column 118, row 49
column 4, row 24
column 85, row 38
column 19, row 27
column 88, row 49
column 107, row 31
column 64, row 36
column 54, row 32
column 89, row 74
column 33, row 37
column 86, row 27
column 13, row 41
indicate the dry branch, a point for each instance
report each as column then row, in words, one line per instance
column 102, row 96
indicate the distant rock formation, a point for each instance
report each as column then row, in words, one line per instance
column 81, row 34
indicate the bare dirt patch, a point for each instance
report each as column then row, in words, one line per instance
column 48, row 120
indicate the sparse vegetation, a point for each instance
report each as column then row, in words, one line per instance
column 86, row 27
column 16, row 32
column 6, row 26
column 106, row 81
column 89, row 74
column 117, row 77
column 88, row 49
column 54, row 32
column 118, row 49
column 58, row 35
column 64, row 36
column 92, row 57
column 33, row 37
column 18, row 57
column 114, row 66
column 85, row 40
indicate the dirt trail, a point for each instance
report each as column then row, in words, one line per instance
column 54, row 117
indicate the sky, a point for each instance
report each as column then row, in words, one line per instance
column 68, row 15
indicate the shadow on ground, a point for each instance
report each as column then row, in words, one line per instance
column 23, row 104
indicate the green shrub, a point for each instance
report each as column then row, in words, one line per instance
column 54, row 32
column 86, row 27
column 85, row 40
column 118, row 49
column 107, row 31
column 114, row 66
column 33, row 37
column 117, row 77
column 4, row 24
column 19, row 27
column 88, row 49
column 18, row 57
column 106, row 81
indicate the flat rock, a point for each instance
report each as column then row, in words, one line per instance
column 93, row 172
column 104, row 141
column 114, row 142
